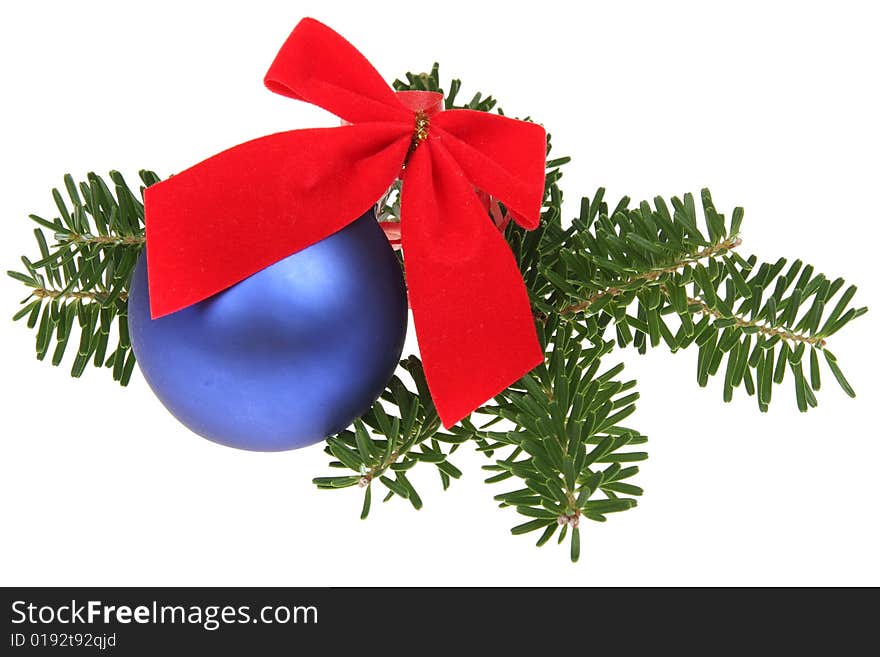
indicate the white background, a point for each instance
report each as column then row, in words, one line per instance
column 775, row 108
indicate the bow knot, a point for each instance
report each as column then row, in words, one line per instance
column 420, row 134
column 248, row 207
column 422, row 124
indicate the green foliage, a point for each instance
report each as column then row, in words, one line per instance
column 568, row 446
column 642, row 269
column 632, row 275
column 392, row 438
column 82, row 279
column 650, row 274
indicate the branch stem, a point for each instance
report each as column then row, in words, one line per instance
column 653, row 274
column 764, row 329
column 47, row 293
column 104, row 240
column 380, row 469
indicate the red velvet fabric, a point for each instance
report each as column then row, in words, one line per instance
column 256, row 203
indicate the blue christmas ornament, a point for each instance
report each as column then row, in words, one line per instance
column 287, row 356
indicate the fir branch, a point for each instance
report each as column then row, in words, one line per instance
column 396, row 434
column 81, row 278
column 567, row 427
column 758, row 316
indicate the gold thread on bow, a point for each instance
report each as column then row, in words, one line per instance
column 420, row 134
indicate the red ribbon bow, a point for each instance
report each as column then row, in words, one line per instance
column 257, row 203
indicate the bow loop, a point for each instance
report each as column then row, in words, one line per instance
column 318, row 66
column 246, row 208
column 501, row 156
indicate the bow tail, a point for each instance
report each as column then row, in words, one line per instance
column 248, row 207
column 470, row 307
column 318, row 66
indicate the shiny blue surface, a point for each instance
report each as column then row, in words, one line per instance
column 286, row 357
